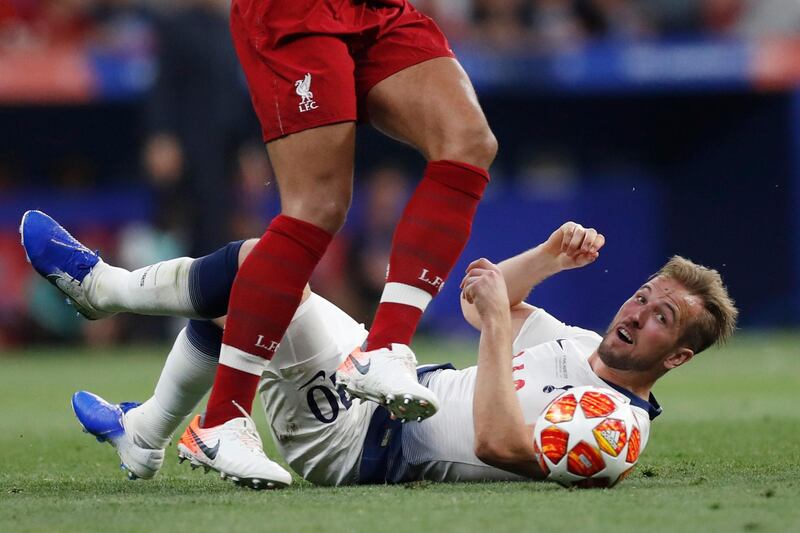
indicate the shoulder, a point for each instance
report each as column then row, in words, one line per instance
column 539, row 326
column 581, row 344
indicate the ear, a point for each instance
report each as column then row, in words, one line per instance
column 682, row 356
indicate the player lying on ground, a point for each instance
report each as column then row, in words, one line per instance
column 483, row 430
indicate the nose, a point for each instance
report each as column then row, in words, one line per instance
column 638, row 317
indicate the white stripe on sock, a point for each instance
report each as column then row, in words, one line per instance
column 400, row 293
column 240, row 360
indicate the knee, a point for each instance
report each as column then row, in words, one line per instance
column 487, row 149
column 321, row 209
column 330, row 213
column 469, row 143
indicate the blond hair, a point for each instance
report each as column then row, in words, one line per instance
column 717, row 322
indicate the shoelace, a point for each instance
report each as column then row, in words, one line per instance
column 409, row 363
column 247, row 434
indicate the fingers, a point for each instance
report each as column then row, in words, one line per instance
column 587, row 246
column 585, row 258
column 578, row 236
column 481, row 275
column 599, row 242
column 472, row 275
column 579, row 240
column 466, row 285
column 477, row 268
column 481, row 263
column 468, row 291
column 567, row 232
column 471, row 284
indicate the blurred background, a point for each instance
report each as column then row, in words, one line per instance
column 673, row 126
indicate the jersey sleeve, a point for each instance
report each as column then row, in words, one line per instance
column 541, row 327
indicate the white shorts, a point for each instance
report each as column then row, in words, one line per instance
column 317, row 430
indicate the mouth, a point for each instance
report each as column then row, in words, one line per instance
column 624, row 335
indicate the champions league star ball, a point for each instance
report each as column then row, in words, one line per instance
column 587, row 437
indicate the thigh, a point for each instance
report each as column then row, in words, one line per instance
column 395, row 38
column 314, row 172
column 317, row 430
column 411, row 87
column 427, row 105
column 318, row 327
column 299, row 81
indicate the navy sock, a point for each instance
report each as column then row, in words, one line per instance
column 205, row 336
column 211, row 279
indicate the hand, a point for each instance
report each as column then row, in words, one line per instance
column 573, row 246
column 485, row 287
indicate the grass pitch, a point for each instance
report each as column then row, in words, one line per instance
column 724, row 456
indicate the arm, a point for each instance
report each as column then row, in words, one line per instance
column 502, row 439
column 570, row 246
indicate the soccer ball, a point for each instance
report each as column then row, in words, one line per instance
column 587, row 437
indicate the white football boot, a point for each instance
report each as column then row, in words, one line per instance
column 233, row 449
column 388, row 376
column 106, row 421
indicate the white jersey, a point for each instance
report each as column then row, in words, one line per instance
column 550, row 357
column 331, row 440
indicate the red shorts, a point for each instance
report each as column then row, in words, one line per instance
column 312, row 62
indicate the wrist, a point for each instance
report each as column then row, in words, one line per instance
column 545, row 261
column 496, row 320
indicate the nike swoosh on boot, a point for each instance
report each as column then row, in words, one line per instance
column 211, row 453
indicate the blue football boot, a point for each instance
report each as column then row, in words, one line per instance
column 60, row 258
column 106, row 421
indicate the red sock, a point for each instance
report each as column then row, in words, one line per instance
column 264, row 297
column 430, row 236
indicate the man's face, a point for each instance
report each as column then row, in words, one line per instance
column 646, row 329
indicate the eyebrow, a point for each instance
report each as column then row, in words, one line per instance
column 666, row 304
column 672, row 310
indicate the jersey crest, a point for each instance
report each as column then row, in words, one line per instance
column 303, row 90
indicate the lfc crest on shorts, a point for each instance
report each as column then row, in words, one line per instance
column 303, row 90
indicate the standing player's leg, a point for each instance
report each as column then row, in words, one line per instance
column 433, row 107
column 410, row 87
column 302, row 88
column 313, row 171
